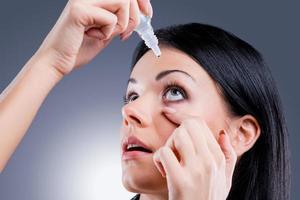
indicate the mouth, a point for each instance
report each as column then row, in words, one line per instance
column 133, row 147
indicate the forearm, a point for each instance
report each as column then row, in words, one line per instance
column 21, row 100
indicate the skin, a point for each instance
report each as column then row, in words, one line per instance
column 193, row 153
column 83, row 30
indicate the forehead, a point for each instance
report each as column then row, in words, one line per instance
column 171, row 59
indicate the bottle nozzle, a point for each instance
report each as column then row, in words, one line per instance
column 156, row 50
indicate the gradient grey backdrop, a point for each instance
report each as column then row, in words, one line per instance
column 71, row 149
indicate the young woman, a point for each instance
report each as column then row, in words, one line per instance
column 203, row 121
column 209, row 114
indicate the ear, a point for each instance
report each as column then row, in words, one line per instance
column 246, row 131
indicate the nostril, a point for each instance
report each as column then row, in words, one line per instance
column 126, row 122
column 132, row 119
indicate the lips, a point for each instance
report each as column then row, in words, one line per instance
column 134, row 149
column 132, row 143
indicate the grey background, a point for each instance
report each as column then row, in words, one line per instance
column 71, row 149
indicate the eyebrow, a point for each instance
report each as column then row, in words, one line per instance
column 163, row 74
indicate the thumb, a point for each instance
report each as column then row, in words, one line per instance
column 230, row 156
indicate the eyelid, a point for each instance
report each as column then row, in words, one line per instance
column 127, row 96
column 166, row 87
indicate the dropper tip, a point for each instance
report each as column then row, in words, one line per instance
column 156, row 51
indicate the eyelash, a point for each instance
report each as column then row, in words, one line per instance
column 126, row 98
column 167, row 87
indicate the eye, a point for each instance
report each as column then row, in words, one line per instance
column 174, row 93
column 131, row 96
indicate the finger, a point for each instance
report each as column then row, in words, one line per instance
column 193, row 128
column 145, row 7
column 123, row 17
column 103, row 21
column 158, row 164
column 230, row 158
column 229, row 153
column 192, row 123
column 134, row 19
column 198, row 138
column 171, row 166
column 95, row 33
column 121, row 10
column 203, row 139
column 124, row 37
column 176, row 116
column 211, row 141
column 180, row 142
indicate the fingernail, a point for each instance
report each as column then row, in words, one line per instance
column 158, row 163
column 163, row 173
column 222, row 133
column 160, row 166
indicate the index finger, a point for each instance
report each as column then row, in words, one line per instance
column 176, row 116
column 145, row 7
column 198, row 125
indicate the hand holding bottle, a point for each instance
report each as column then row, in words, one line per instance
column 85, row 27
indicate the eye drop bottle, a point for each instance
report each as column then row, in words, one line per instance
column 145, row 30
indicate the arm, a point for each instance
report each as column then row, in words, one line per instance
column 21, row 100
column 84, row 28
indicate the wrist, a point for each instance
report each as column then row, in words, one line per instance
column 47, row 62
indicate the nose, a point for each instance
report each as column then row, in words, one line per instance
column 137, row 113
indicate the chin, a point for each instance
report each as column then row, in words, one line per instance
column 139, row 177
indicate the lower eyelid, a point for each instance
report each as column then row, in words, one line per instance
column 182, row 91
column 173, row 102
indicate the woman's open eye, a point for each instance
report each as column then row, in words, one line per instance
column 131, row 96
column 174, row 93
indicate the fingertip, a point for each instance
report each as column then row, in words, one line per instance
column 130, row 28
column 125, row 36
column 146, row 7
column 226, row 137
column 172, row 115
column 223, row 140
column 226, row 146
column 169, row 110
column 158, row 164
column 156, row 156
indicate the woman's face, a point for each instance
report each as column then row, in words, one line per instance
column 173, row 80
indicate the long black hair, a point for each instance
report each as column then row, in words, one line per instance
column 247, row 86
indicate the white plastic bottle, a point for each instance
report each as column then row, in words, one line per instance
column 145, row 30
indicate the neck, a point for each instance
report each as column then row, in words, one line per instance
column 162, row 196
